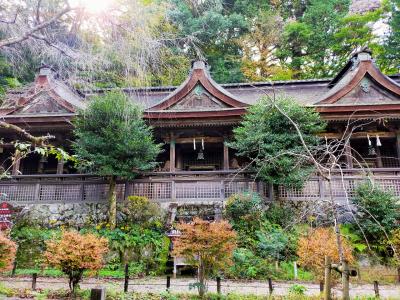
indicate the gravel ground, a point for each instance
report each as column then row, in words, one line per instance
column 181, row 285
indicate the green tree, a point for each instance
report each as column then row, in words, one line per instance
column 308, row 41
column 213, row 28
column 378, row 213
column 272, row 143
column 114, row 141
column 392, row 43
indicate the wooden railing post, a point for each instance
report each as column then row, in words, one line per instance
column 321, row 187
column 222, row 190
column 173, row 190
column 271, row 191
column 37, row 192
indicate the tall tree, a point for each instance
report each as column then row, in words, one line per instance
column 272, row 142
column 392, row 43
column 114, row 141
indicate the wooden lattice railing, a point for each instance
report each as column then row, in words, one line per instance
column 182, row 187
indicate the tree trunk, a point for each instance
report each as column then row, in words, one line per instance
column 336, row 222
column 112, row 202
column 202, row 281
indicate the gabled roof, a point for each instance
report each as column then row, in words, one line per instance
column 360, row 86
column 198, row 96
column 46, row 96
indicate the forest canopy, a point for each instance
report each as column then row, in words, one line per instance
column 151, row 42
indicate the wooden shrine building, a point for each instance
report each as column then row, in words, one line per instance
column 194, row 121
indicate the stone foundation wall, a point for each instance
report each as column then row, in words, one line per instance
column 67, row 214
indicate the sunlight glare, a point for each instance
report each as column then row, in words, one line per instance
column 93, row 6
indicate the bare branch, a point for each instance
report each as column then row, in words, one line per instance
column 28, row 34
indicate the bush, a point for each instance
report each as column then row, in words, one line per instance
column 7, row 253
column 139, row 210
column 377, row 210
column 31, row 241
column 249, row 266
column 318, row 243
column 244, row 211
column 74, row 253
column 145, row 250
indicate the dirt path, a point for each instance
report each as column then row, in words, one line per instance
column 181, row 285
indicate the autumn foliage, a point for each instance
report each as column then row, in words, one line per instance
column 7, row 253
column 206, row 245
column 74, row 253
column 318, row 243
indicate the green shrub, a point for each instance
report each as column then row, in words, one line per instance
column 31, row 241
column 249, row 266
column 377, row 211
column 145, row 250
column 139, row 210
column 297, row 289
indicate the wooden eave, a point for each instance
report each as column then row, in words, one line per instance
column 173, row 114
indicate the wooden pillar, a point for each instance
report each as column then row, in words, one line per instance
column 172, row 154
column 60, row 166
column 379, row 163
column 16, row 163
column 398, row 145
column 226, row 156
column 349, row 156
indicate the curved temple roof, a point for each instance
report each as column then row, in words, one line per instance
column 198, row 96
column 360, row 87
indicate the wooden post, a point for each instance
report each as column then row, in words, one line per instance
column 295, row 269
column 271, row 191
column 34, row 278
column 219, row 285
column 172, row 154
column 379, row 163
column 226, row 156
column 398, row 274
column 398, row 145
column 321, row 286
column 126, row 282
column 60, row 166
column 327, row 285
column 168, row 282
column 270, row 287
column 349, row 156
column 376, row 289
column 175, row 268
column 98, row 294
column 345, row 281
column 17, row 163
column 321, row 187
column 14, row 269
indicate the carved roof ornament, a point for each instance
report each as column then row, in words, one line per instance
column 360, row 85
column 198, row 96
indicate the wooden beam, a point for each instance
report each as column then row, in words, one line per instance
column 207, row 139
column 359, row 135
